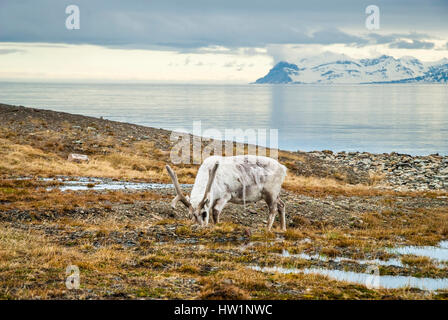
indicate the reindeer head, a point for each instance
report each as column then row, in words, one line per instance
column 201, row 210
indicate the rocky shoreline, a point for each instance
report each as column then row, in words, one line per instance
column 394, row 170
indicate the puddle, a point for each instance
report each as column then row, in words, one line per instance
column 439, row 252
column 87, row 183
column 375, row 281
column 389, row 262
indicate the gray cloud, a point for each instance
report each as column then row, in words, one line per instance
column 412, row 40
column 394, row 37
column 9, row 51
column 414, row 44
column 189, row 25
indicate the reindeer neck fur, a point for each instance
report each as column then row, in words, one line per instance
column 197, row 193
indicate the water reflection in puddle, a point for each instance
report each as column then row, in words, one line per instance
column 439, row 252
column 386, row 282
column 389, row 262
column 85, row 183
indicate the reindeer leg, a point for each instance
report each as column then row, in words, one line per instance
column 272, row 213
column 205, row 221
column 281, row 209
column 214, row 212
column 218, row 206
column 215, row 216
column 272, row 205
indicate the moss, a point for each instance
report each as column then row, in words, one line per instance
column 222, row 291
column 189, row 269
column 150, row 292
column 183, row 230
column 155, row 261
column 412, row 260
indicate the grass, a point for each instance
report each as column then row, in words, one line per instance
column 41, row 199
column 23, row 160
column 412, row 260
column 210, row 270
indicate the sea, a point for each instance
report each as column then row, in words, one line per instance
column 404, row 118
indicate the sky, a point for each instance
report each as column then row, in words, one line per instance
column 203, row 41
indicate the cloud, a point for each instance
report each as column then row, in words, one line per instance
column 229, row 64
column 394, row 37
column 332, row 36
column 414, row 44
column 186, row 26
column 412, row 40
column 9, row 51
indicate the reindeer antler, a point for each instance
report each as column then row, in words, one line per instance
column 211, row 178
column 179, row 195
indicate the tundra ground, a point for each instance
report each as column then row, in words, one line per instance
column 132, row 244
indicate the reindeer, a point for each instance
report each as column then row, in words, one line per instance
column 238, row 179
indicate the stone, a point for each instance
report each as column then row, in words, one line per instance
column 75, row 157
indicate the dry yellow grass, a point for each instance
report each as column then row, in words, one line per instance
column 416, row 260
column 30, row 258
column 24, row 160
column 323, row 186
column 40, row 199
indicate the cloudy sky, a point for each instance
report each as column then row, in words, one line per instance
column 205, row 40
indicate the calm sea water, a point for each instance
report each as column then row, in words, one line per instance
column 409, row 119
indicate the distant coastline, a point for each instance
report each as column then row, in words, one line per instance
column 344, row 70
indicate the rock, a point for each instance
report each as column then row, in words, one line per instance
column 401, row 171
column 75, row 157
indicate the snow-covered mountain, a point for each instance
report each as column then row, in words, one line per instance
column 384, row 69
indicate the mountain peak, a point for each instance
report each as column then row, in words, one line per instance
column 280, row 73
column 284, row 64
column 343, row 69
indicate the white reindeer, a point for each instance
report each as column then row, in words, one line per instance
column 238, row 179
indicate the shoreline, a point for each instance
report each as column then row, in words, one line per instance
column 72, row 133
column 297, row 150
